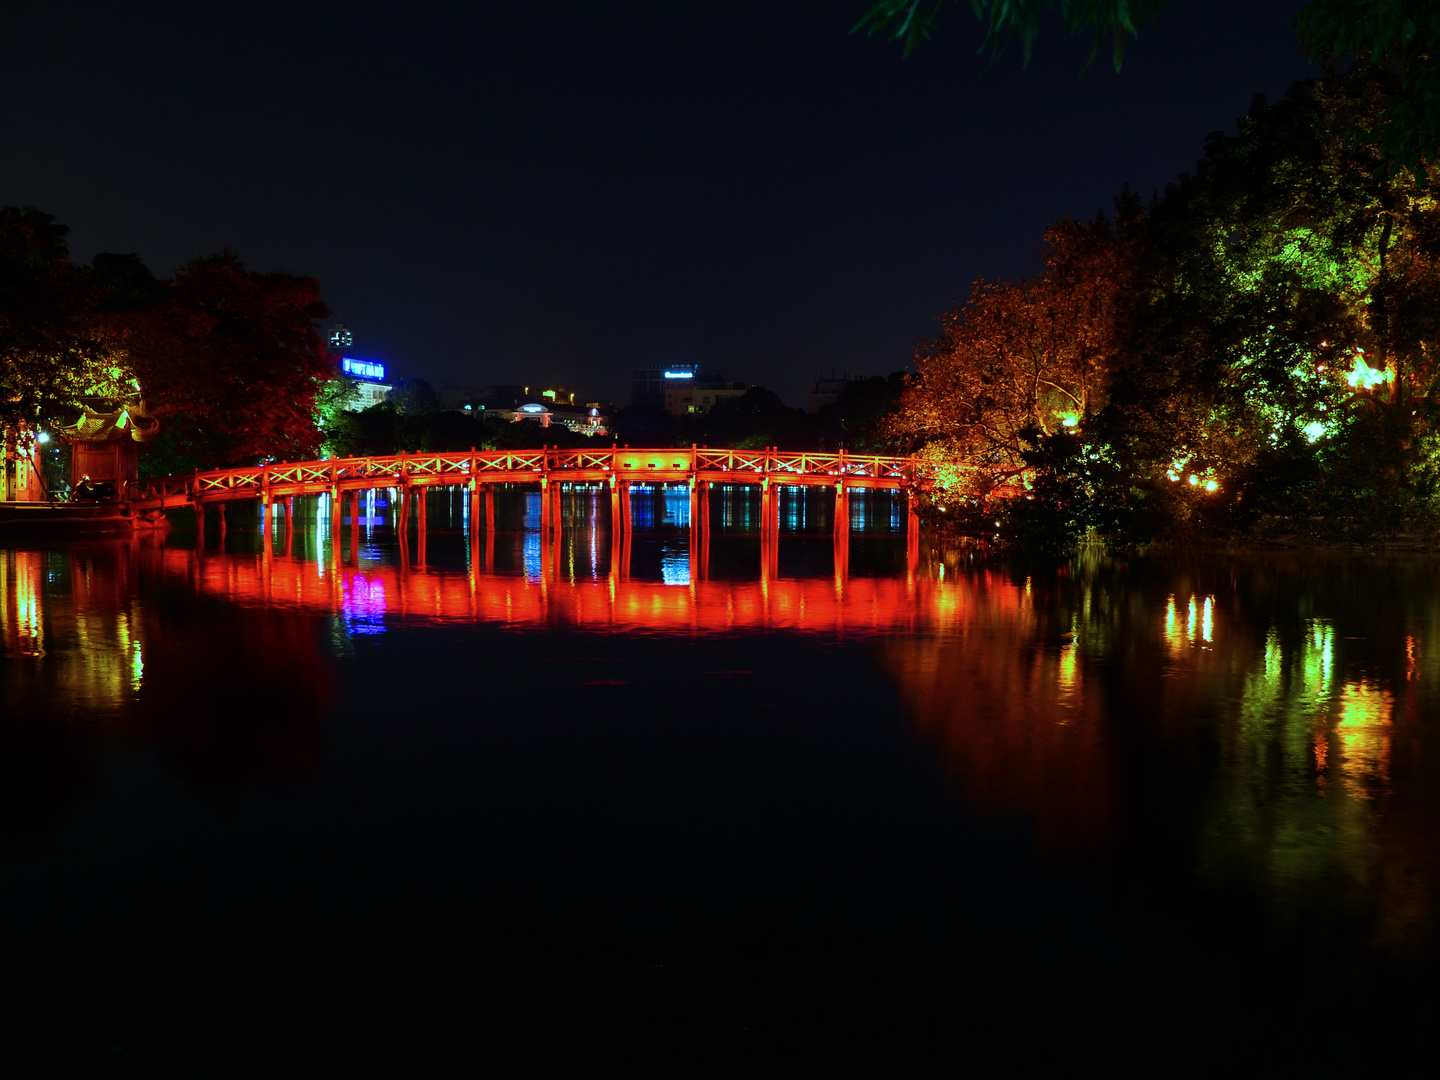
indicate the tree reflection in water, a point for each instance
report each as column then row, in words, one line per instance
column 225, row 693
column 1255, row 734
column 1247, row 739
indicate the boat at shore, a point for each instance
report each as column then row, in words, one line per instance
column 74, row 518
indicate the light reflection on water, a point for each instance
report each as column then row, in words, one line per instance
column 1255, row 730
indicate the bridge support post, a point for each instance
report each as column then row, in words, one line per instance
column 289, row 524
column 697, row 536
column 842, row 532
column 265, row 515
column 545, row 509
column 704, row 571
column 769, row 528
column 220, row 511
column 337, row 515
column 199, row 526
column 490, row 515
column 402, row 517
column 475, row 510
column 421, row 515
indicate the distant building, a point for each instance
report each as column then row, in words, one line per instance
column 584, row 419
column 370, row 379
column 648, row 385
column 686, row 399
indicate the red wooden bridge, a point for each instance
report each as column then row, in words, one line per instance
column 479, row 471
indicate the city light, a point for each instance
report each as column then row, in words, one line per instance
column 679, row 374
column 362, row 369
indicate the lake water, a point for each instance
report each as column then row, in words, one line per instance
column 445, row 805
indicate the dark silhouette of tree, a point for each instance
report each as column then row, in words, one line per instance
column 646, row 425
column 755, row 419
column 857, row 419
column 413, row 397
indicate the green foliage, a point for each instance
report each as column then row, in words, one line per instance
column 333, row 416
column 1265, row 351
column 1401, row 37
column 51, row 351
column 915, row 21
column 1286, row 258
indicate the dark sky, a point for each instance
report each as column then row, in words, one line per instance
column 553, row 192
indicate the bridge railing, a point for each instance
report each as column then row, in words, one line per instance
column 398, row 469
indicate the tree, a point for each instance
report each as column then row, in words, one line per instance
column 230, row 360
column 857, row 420
column 50, row 352
column 1286, row 339
column 1024, row 361
column 413, row 397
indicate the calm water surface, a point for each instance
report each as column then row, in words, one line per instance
column 440, row 805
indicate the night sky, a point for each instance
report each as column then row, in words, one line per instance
column 552, row 193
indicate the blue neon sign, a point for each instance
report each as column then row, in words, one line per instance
column 679, row 374
column 363, row 369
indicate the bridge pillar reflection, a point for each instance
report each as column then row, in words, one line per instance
column 355, row 527
column 699, row 530
column 769, row 529
column 289, row 501
column 912, row 530
column 619, row 529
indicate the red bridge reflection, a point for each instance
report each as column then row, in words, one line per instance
column 367, row 596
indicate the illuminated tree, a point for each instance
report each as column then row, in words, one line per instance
column 50, row 351
column 1286, row 339
column 1023, row 361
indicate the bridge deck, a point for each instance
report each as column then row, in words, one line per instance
column 614, row 465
